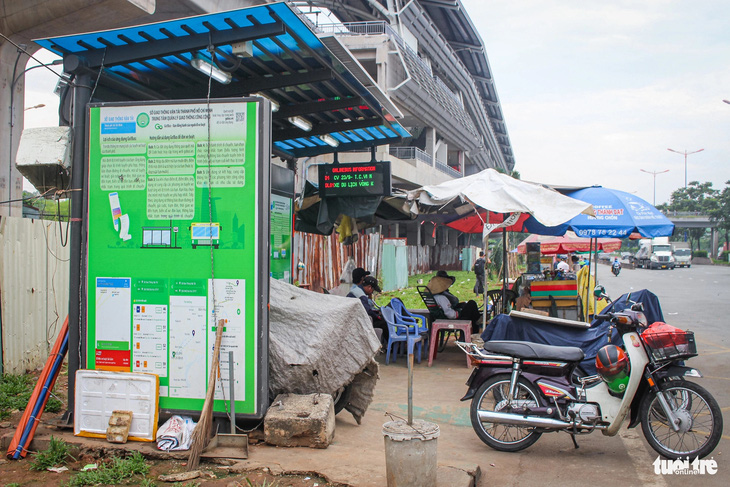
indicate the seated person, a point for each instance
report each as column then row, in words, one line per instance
column 368, row 284
column 358, row 274
column 562, row 265
column 453, row 309
column 575, row 264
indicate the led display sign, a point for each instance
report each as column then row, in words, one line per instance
column 362, row 179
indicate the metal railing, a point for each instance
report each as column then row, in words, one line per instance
column 445, row 168
column 416, row 154
column 376, row 27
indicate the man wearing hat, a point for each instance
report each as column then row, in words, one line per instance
column 358, row 273
column 366, row 287
column 453, row 309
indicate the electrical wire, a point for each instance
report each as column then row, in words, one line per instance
column 22, row 49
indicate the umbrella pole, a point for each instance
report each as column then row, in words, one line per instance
column 588, row 281
column 595, row 279
column 505, row 271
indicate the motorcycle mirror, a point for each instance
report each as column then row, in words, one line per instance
column 637, row 307
column 599, row 291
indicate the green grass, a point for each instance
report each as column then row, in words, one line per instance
column 58, row 454
column 118, row 471
column 463, row 288
column 15, row 391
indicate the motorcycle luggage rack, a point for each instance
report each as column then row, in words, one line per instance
column 479, row 354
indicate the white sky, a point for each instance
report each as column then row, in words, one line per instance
column 591, row 91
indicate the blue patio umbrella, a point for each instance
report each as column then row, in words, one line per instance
column 618, row 215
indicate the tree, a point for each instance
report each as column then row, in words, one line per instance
column 698, row 198
column 721, row 212
column 49, row 209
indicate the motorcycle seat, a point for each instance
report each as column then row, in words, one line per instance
column 530, row 350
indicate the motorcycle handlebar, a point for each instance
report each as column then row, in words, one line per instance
column 606, row 317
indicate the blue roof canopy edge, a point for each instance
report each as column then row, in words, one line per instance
column 152, row 62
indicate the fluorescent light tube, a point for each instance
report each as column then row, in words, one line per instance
column 329, row 140
column 301, row 123
column 209, row 70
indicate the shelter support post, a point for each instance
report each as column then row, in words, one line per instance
column 82, row 96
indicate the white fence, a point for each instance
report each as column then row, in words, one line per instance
column 34, row 266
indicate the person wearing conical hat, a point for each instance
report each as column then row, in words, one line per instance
column 453, row 309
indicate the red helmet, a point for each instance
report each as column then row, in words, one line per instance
column 611, row 360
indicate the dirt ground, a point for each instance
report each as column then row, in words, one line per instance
column 224, row 474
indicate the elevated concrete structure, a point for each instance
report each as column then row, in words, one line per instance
column 425, row 55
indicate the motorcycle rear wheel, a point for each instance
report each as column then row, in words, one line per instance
column 492, row 396
column 700, row 421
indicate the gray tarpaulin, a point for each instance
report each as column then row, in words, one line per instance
column 320, row 343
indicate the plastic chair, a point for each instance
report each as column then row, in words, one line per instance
column 398, row 333
column 419, row 321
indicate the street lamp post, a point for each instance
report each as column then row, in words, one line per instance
column 654, row 173
column 685, row 161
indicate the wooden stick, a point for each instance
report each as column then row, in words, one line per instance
column 201, row 433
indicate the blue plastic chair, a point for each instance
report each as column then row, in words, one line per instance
column 418, row 320
column 400, row 332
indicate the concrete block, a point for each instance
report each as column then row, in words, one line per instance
column 300, row 420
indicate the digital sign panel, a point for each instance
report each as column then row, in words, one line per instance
column 361, row 179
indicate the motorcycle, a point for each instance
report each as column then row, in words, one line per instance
column 615, row 269
column 520, row 390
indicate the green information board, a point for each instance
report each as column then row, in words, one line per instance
column 281, row 230
column 177, row 227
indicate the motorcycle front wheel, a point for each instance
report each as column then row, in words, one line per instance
column 700, row 421
column 492, row 396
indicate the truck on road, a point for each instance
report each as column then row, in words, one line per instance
column 682, row 254
column 654, row 253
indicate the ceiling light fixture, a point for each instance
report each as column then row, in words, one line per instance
column 330, row 140
column 208, row 69
column 274, row 105
column 301, row 123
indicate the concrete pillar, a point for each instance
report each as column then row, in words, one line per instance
column 431, row 143
column 428, row 235
column 714, row 234
column 12, row 103
column 413, row 234
column 452, row 238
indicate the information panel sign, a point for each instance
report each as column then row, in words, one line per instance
column 362, row 179
column 281, row 237
column 176, row 194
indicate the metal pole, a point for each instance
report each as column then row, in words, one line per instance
column 588, row 282
column 81, row 97
column 232, row 384
column 410, row 386
column 505, row 271
column 654, row 173
column 685, row 153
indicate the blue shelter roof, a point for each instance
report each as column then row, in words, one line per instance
column 267, row 50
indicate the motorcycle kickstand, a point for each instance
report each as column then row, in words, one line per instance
column 575, row 443
column 575, row 430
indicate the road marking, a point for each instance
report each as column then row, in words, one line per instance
column 713, row 377
column 637, row 453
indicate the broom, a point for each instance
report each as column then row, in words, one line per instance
column 201, row 433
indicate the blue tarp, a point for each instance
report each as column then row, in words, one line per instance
column 590, row 340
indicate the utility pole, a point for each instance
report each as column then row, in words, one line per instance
column 685, row 161
column 654, row 173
